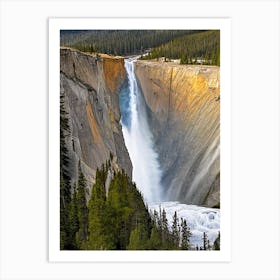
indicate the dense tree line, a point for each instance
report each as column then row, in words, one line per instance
column 65, row 186
column 202, row 48
column 118, row 42
column 190, row 46
column 163, row 237
column 119, row 220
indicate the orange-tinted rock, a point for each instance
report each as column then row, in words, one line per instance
column 184, row 107
column 91, row 85
column 113, row 71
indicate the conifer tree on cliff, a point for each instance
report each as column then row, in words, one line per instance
column 65, row 186
column 73, row 222
column 64, row 153
column 82, row 210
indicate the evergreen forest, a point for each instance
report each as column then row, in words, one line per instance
column 190, row 46
column 198, row 48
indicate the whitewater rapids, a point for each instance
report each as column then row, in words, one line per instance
column 199, row 219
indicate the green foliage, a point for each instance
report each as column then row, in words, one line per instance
column 126, row 203
column 63, row 216
column 73, row 221
column 118, row 42
column 97, row 212
column 166, row 237
column 74, row 218
column 185, row 235
column 66, row 236
column 155, row 239
column 118, row 221
column 138, row 238
column 112, row 219
column 205, row 241
column 119, row 203
column 82, row 210
column 199, row 48
column 163, row 238
column 175, row 231
column 65, row 190
column 216, row 245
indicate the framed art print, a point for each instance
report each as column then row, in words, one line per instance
column 139, row 134
column 139, row 140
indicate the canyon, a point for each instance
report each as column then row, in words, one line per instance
column 183, row 103
column 183, row 110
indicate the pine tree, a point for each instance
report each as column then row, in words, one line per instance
column 97, row 211
column 208, row 245
column 121, row 210
column 63, row 217
column 138, row 238
column 216, row 245
column 66, row 239
column 73, row 222
column 159, row 221
column 205, row 241
column 185, row 235
column 165, row 234
column 175, row 231
column 65, row 192
column 82, row 210
column 155, row 239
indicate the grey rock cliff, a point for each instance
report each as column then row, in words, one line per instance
column 184, row 108
column 90, row 85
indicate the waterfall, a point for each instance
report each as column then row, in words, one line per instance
column 146, row 168
column 138, row 138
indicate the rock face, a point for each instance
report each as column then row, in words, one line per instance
column 90, row 86
column 183, row 102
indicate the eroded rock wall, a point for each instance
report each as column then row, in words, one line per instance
column 90, row 85
column 184, row 109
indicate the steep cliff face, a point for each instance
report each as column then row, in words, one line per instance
column 90, row 85
column 184, row 110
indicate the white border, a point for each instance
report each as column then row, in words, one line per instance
column 55, row 255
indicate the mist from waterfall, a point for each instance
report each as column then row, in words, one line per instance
column 139, row 139
column 146, row 168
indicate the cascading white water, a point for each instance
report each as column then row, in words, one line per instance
column 139, row 142
column 199, row 219
column 146, row 168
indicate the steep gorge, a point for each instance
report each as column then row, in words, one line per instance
column 90, row 87
column 183, row 105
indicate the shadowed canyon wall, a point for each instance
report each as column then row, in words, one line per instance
column 183, row 102
column 90, row 86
